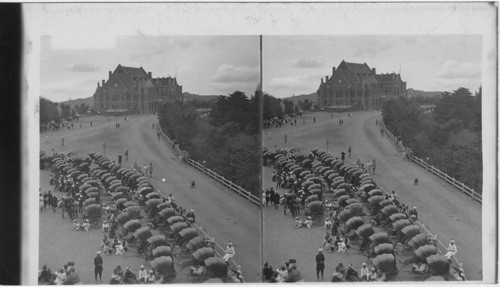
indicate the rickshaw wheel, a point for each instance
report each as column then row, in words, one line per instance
column 148, row 251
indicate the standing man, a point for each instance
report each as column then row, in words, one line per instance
column 150, row 169
column 314, row 120
column 349, row 152
column 120, row 160
column 62, row 143
column 229, row 252
column 320, row 263
column 342, row 155
column 126, row 155
column 285, row 138
column 104, row 148
column 374, row 165
column 98, row 266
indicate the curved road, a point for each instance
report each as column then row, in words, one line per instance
column 222, row 214
column 444, row 210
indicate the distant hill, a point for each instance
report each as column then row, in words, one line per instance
column 416, row 93
column 189, row 97
column 313, row 97
column 76, row 102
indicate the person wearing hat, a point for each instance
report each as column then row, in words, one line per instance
column 86, row 225
column 190, row 216
column 98, row 266
column 351, row 275
column 229, row 252
column 365, row 272
column 452, row 250
column 373, row 274
column 341, row 247
column 320, row 263
column 151, row 277
column 308, row 222
column 143, row 275
column 413, row 213
column 129, row 277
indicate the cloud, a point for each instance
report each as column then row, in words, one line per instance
column 85, row 68
column 236, row 74
column 306, row 63
column 370, row 52
column 302, row 82
column 457, row 70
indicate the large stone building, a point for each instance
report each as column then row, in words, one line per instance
column 356, row 86
column 131, row 89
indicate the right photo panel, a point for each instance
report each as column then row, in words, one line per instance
column 372, row 158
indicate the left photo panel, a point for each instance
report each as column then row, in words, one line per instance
column 149, row 160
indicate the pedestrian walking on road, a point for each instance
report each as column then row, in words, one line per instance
column 62, row 142
column 349, row 152
column 150, row 169
column 120, row 160
column 126, row 155
column 342, row 155
column 285, row 138
column 374, row 165
column 320, row 263
column 314, row 120
column 98, row 266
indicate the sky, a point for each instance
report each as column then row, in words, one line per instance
column 206, row 65
column 296, row 64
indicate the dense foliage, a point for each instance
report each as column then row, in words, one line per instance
column 450, row 137
column 48, row 111
column 228, row 141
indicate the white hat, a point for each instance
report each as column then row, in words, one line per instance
column 98, row 252
column 320, row 250
column 452, row 241
column 142, row 266
column 364, row 264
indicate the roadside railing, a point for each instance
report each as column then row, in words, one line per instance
column 229, row 184
column 460, row 185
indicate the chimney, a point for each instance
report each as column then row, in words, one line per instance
column 333, row 70
column 98, row 84
column 374, row 70
column 150, row 74
column 110, row 74
column 103, row 83
column 326, row 79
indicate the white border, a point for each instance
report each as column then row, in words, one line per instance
column 101, row 21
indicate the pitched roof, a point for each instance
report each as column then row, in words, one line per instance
column 135, row 72
column 165, row 81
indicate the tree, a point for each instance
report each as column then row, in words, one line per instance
column 65, row 111
column 271, row 108
column 48, row 111
column 288, row 107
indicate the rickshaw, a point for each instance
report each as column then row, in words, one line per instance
column 356, row 208
column 374, row 240
column 363, row 233
column 117, row 195
column 133, row 211
column 176, row 228
column 345, row 215
column 141, row 236
column 438, row 265
column 417, row 241
column 397, row 216
column 352, row 200
column 383, row 248
column 185, row 235
column 195, row 243
column 153, row 195
column 89, row 202
column 337, row 182
column 352, row 225
column 399, row 225
column 120, row 203
column 421, row 254
column 373, row 203
column 386, row 263
column 164, row 215
column 407, row 233
column 124, row 190
column 151, row 206
column 94, row 215
column 82, row 176
column 339, row 192
column 109, row 179
column 216, row 267
column 315, row 211
column 375, row 191
column 122, row 218
column 165, row 266
column 317, row 192
column 113, row 186
column 130, row 227
column 341, row 201
column 384, row 215
column 153, row 242
column 328, row 173
column 162, row 251
column 174, row 219
column 202, row 254
column 163, row 205
column 129, row 204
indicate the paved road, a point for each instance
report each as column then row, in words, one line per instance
column 223, row 214
column 443, row 209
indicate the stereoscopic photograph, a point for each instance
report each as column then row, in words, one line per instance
column 196, row 143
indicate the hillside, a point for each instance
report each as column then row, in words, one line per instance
column 416, row 93
column 311, row 97
column 76, row 102
column 189, row 97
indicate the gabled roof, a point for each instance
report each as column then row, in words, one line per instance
column 133, row 72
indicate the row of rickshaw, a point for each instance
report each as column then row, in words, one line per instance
column 129, row 192
column 362, row 205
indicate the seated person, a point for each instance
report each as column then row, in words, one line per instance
column 419, row 268
column 45, row 274
column 328, row 223
column 308, row 222
column 282, row 274
column 200, row 271
column 293, row 275
column 76, row 225
column 337, row 277
column 340, row 269
column 86, row 225
column 351, row 275
column 105, row 226
column 341, row 247
column 129, row 277
column 267, row 271
column 106, row 246
column 365, row 273
column 328, row 205
column 373, row 275
column 299, row 223
column 119, row 249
